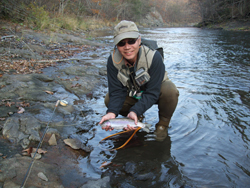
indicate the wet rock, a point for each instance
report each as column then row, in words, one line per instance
column 30, row 87
column 7, row 111
column 87, row 79
column 73, row 143
column 34, row 136
column 10, row 184
column 24, row 128
column 24, row 53
column 8, row 170
column 103, row 72
column 15, row 168
column 52, row 140
column 25, row 143
column 43, row 78
column 36, row 155
column 77, row 144
column 17, row 128
column 58, row 124
column 51, row 131
column 65, row 110
column 130, row 168
column 78, row 40
column 78, row 70
column 11, row 128
column 144, row 177
column 35, row 48
column 126, row 185
column 100, row 183
column 86, row 148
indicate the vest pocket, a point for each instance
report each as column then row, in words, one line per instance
column 122, row 78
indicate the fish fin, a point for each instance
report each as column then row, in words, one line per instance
column 147, row 127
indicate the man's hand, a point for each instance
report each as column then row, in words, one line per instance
column 106, row 117
column 133, row 116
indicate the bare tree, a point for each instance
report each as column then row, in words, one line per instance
column 62, row 5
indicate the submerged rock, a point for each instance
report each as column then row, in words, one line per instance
column 130, row 167
column 144, row 177
column 100, row 183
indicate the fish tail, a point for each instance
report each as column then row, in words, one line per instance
column 147, row 127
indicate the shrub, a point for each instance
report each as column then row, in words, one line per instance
column 38, row 17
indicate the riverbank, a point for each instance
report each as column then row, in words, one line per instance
column 37, row 69
column 232, row 25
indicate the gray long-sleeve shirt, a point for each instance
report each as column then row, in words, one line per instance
column 151, row 92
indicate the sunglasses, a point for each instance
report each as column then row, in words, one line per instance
column 130, row 42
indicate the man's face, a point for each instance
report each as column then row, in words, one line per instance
column 129, row 48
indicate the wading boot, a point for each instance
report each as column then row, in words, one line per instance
column 161, row 129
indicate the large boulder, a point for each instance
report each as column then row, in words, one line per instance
column 152, row 19
column 22, row 129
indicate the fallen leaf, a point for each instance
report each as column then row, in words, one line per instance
column 29, row 150
column 8, row 104
column 20, row 110
column 104, row 164
column 39, row 150
column 33, row 150
column 23, row 104
column 77, row 85
column 49, row 92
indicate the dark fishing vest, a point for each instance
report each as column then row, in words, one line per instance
column 144, row 61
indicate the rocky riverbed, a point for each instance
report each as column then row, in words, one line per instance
column 37, row 71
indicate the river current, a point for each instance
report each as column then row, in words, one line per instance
column 208, row 139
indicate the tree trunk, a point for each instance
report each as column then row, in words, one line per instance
column 62, row 5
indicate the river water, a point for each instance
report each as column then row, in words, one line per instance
column 208, row 139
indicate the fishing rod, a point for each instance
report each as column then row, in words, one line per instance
column 63, row 103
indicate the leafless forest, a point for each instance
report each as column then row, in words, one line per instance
column 172, row 11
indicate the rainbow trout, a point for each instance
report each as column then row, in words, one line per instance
column 120, row 123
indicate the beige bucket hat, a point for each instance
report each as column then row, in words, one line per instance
column 125, row 29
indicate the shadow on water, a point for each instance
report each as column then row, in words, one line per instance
column 148, row 165
column 208, row 140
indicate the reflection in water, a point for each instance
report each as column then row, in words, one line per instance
column 208, row 143
column 151, row 158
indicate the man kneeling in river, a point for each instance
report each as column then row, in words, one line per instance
column 137, row 80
